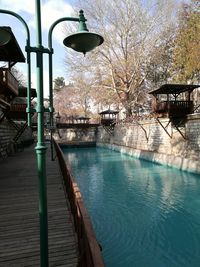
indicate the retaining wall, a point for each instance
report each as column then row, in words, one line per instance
column 149, row 140
column 7, row 133
column 76, row 134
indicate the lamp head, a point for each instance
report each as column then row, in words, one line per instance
column 5, row 36
column 83, row 41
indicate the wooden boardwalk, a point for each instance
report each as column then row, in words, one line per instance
column 19, row 220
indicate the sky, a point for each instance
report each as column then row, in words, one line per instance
column 51, row 10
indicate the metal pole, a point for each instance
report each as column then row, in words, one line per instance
column 51, row 108
column 28, row 53
column 41, row 148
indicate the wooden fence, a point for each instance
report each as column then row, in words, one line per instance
column 89, row 249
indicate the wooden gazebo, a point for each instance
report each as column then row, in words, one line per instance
column 173, row 100
column 108, row 117
column 82, row 120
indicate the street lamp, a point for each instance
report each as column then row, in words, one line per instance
column 5, row 37
column 83, row 41
column 80, row 44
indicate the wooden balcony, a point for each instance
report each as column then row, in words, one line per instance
column 108, row 117
column 8, row 83
column 173, row 108
column 17, row 112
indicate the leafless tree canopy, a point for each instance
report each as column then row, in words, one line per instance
column 132, row 29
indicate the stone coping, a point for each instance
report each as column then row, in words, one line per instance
column 184, row 164
column 71, row 144
column 195, row 116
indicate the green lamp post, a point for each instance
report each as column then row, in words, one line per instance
column 82, row 41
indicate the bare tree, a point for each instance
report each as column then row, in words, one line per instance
column 131, row 30
column 19, row 76
column 59, row 82
column 75, row 98
column 161, row 61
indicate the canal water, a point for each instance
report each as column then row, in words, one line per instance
column 144, row 214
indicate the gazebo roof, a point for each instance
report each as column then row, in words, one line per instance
column 174, row 89
column 11, row 51
column 109, row 111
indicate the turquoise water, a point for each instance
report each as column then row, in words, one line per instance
column 144, row 215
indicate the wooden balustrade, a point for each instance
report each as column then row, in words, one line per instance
column 17, row 111
column 18, row 107
column 171, row 107
column 89, row 249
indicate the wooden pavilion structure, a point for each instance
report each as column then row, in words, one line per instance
column 82, row 119
column 17, row 110
column 11, row 53
column 173, row 101
column 12, row 96
column 108, row 117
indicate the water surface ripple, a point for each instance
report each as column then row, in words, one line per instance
column 144, row 215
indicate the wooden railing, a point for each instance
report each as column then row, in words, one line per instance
column 89, row 249
column 8, row 81
column 17, row 112
column 173, row 106
column 18, row 107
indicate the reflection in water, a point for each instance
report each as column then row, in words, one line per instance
column 144, row 215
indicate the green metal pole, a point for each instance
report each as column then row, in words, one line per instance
column 28, row 53
column 41, row 148
column 82, row 27
column 51, row 108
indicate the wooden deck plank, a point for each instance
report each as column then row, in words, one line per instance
column 19, row 220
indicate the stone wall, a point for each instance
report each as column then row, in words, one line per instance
column 76, row 134
column 7, row 133
column 193, row 132
column 149, row 140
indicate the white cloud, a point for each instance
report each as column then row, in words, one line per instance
column 51, row 11
column 19, row 5
column 54, row 10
